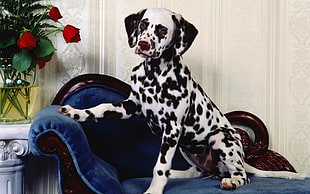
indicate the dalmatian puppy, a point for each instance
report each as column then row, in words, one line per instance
column 174, row 104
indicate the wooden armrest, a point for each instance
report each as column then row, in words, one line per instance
column 71, row 182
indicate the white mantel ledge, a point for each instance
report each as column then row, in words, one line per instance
column 19, row 131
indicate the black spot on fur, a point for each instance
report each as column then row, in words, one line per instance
column 160, row 172
column 188, row 137
column 210, row 122
column 196, row 127
column 170, row 141
column 143, row 98
column 209, row 107
column 134, row 78
column 164, row 148
column 149, row 100
column 201, row 130
column 143, row 25
column 167, row 173
column 199, row 109
column 135, row 94
column 214, row 127
column 240, row 155
column 208, row 114
column 111, row 115
column 129, row 106
column 91, row 115
column 151, row 90
column 163, row 160
column 160, row 32
column 76, row 116
column 151, row 116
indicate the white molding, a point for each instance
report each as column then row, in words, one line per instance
column 101, row 8
column 13, row 150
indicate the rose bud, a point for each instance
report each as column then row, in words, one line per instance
column 71, row 34
column 55, row 14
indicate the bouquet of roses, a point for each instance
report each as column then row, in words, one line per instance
column 25, row 26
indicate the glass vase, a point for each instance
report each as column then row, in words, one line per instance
column 18, row 94
column 17, row 104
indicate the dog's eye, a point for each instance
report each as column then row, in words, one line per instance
column 143, row 26
column 161, row 30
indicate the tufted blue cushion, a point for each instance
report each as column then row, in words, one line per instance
column 92, row 95
column 128, row 145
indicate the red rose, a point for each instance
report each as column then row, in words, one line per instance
column 42, row 62
column 55, row 14
column 71, row 34
column 27, row 41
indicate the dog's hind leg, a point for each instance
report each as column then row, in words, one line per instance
column 191, row 172
column 227, row 148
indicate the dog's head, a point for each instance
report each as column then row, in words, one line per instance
column 152, row 31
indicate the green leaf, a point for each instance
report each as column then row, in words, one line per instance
column 7, row 38
column 44, row 48
column 22, row 60
column 33, row 64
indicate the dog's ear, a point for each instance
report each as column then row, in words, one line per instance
column 131, row 23
column 184, row 34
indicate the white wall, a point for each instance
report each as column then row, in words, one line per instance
column 251, row 55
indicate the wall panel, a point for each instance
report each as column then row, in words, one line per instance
column 295, row 89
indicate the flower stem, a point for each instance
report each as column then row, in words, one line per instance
column 55, row 30
column 40, row 19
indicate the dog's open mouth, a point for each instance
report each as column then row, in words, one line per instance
column 142, row 54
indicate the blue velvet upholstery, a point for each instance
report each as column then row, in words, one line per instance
column 128, row 145
column 92, row 95
column 258, row 185
column 100, row 176
column 115, row 157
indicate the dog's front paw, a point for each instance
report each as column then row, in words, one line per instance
column 76, row 114
column 233, row 183
column 65, row 109
column 228, row 184
column 152, row 192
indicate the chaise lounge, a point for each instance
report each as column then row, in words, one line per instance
column 115, row 157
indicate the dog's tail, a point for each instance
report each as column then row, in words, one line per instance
column 276, row 174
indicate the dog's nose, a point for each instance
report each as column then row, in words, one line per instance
column 144, row 46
